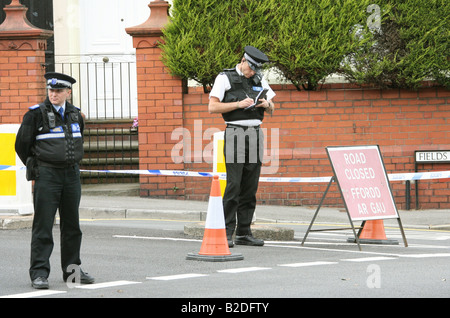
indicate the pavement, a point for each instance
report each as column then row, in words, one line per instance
column 121, row 201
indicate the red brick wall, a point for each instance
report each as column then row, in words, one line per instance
column 21, row 78
column 399, row 121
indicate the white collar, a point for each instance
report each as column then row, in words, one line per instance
column 238, row 70
column 58, row 107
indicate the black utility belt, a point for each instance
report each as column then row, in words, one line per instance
column 57, row 165
column 242, row 127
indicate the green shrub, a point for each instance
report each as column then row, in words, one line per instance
column 313, row 37
column 207, row 36
column 309, row 40
column 410, row 47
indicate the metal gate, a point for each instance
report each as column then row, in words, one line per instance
column 105, row 90
column 106, row 93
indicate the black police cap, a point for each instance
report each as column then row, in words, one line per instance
column 59, row 80
column 255, row 57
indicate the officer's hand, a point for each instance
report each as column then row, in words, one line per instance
column 245, row 103
column 263, row 103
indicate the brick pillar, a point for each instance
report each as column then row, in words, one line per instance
column 160, row 106
column 22, row 56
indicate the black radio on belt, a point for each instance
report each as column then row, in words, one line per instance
column 51, row 120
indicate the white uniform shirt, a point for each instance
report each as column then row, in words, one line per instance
column 222, row 84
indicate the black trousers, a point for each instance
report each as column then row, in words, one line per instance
column 55, row 188
column 243, row 149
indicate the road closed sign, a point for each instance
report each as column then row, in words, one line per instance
column 363, row 182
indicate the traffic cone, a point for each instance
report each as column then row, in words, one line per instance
column 373, row 233
column 215, row 244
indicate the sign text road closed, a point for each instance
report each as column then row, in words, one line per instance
column 363, row 182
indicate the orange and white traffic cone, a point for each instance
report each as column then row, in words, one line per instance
column 215, row 244
column 373, row 233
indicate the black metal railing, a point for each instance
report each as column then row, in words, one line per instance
column 104, row 89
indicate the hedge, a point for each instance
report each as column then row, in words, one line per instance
column 410, row 47
column 387, row 44
column 206, row 36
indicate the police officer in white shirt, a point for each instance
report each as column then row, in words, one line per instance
column 243, row 97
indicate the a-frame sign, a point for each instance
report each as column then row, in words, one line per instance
column 364, row 186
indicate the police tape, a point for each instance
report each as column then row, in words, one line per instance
column 181, row 173
column 222, row 175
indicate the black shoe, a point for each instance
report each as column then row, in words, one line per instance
column 230, row 243
column 85, row 278
column 40, row 283
column 248, row 240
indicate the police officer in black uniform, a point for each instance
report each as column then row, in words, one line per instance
column 242, row 96
column 50, row 143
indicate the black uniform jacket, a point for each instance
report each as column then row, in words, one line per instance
column 54, row 144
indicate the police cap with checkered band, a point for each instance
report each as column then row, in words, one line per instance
column 255, row 57
column 59, row 80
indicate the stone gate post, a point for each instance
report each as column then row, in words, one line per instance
column 160, row 106
column 22, row 59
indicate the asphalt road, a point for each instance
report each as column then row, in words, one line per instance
column 147, row 259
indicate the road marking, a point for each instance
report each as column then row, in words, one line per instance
column 174, row 277
column 292, row 244
column 307, row 264
column 442, row 238
column 426, row 255
column 367, row 259
column 243, row 270
column 334, row 250
column 156, row 238
column 40, row 293
column 107, row 284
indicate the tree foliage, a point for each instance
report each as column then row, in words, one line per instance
column 207, row 36
column 411, row 46
column 309, row 40
column 313, row 37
